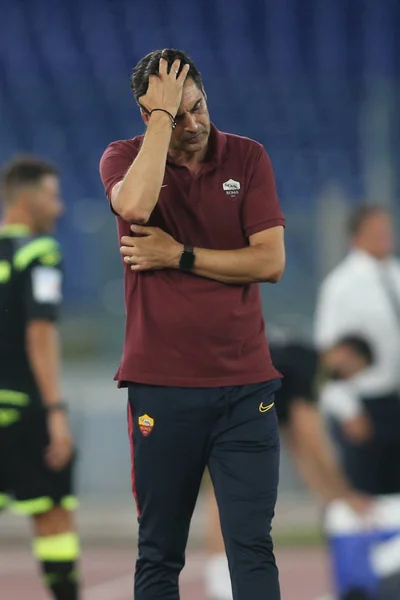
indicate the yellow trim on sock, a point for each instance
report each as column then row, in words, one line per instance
column 51, row 578
column 74, row 576
column 32, row 507
column 69, row 503
column 57, row 548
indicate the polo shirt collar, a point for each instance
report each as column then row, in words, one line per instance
column 14, row 230
column 216, row 146
column 364, row 259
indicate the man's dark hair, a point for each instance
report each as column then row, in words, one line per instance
column 361, row 214
column 21, row 171
column 149, row 66
column 359, row 346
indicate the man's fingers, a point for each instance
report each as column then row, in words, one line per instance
column 127, row 240
column 129, row 259
column 174, row 70
column 162, row 67
column 127, row 251
column 183, row 74
column 57, row 458
column 130, row 254
column 142, row 230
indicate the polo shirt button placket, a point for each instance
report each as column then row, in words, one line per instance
column 194, row 192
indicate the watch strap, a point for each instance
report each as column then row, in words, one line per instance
column 188, row 256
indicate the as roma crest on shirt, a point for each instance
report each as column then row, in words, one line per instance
column 231, row 188
column 146, row 425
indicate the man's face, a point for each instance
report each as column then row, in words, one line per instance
column 192, row 121
column 343, row 361
column 44, row 203
column 376, row 235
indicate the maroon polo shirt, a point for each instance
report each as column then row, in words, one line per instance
column 181, row 329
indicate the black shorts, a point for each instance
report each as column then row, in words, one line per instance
column 27, row 485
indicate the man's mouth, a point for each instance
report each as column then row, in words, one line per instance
column 194, row 138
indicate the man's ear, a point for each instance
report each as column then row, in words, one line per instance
column 145, row 116
column 145, row 113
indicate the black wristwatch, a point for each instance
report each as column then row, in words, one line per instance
column 188, row 257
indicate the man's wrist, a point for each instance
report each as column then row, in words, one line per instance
column 56, row 407
column 161, row 118
column 176, row 256
column 187, row 258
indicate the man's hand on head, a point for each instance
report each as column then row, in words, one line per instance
column 165, row 89
column 151, row 249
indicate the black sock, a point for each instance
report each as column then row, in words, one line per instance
column 58, row 556
column 62, row 579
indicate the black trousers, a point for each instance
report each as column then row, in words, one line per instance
column 374, row 467
column 175, row 433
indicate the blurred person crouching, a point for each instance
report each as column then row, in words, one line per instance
column 357, row 332
column 365, row 553
column 360, row 302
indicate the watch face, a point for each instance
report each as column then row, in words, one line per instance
column 187, row 260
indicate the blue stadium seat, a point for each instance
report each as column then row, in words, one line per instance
column 286, row 73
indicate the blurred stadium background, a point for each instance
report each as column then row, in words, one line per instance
column 316, row 81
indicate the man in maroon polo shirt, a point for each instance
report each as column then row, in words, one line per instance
column 200, row 224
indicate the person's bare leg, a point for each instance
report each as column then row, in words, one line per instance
column 217, row 578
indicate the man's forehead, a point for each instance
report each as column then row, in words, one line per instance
column 377, row 218
column 190, row 95
column 50, row 182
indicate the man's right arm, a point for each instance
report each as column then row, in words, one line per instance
column 315, row 458
column 135, row 197
column 133, row 189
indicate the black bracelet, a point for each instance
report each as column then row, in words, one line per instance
column 60, row 406
column 173, row 122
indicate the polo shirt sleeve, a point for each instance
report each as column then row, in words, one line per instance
column 261, row 209
column 40, row 266
column 298, row 366
column 114, row 164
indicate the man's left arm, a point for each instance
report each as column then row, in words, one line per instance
column 263, row 226
column 43, row 296
column 261, row 260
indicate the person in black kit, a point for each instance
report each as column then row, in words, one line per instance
column 36, row 453
column 301, row 426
